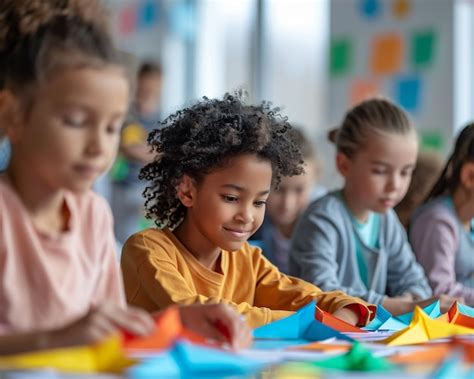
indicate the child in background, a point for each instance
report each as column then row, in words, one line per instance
column 285, row 204
column 351, row 238
column 65, row 97
column 217, row 161
column 127, row 200
column 428, row 168
column 4, row 151
column 442, row 230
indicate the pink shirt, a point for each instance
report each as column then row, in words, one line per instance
column 49, row 281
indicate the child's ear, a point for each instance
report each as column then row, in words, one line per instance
column 342, row 163
column 10, row 115
column 467, row 175
column 186, row 191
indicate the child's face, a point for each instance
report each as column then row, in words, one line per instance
column 378, row 176
column 148, row 93
column 71, row 133
column 292, row 196
column 229, row 203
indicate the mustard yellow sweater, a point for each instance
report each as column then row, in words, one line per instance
column 159, row 271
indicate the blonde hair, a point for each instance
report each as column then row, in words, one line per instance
column 376, row 115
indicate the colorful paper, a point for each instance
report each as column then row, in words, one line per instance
column 423, row 48
column 188, row 360
column 340, row 57
column 370, row 9
column 148, row 14
column 336, row 323
column 387, row 54
column 408, row 92
column 127, row 20
column 301, row 325
column 401, row 8
column 363, row 89
column 103, row 357
column 357, row 359
column 433, row 310
column 459, row 314
column 423, row 329
column 169, row 330
column 385, row 321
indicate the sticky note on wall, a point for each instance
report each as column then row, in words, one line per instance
column 408, row 92
column 148, row 14
column 362, row 89
column 340, row 57
column 423, row 48
column 370, row 9
column 127, row 20
column 387, row 54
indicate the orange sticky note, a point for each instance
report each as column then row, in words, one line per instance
column 335, row 323
column 387, row 54
column 363, row 89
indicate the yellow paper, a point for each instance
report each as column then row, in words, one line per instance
column 106, row 356
column 422, row 329
column 133, row 134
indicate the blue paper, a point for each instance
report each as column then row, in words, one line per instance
column 433, row 311
column 186, row 360
column 384, row 321
column 371, row 9
column 408, row 92
column 271, row 344
column 148, row 14
column 301, row 325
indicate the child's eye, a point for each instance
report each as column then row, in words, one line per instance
column 407, row 173
column 378, row 171
column 115, row 127
column 229, row 198
column 260, row 203
column 74, row 122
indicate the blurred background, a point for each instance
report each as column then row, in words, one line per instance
column 313, row 58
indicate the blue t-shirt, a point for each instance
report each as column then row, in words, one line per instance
column 369, row 234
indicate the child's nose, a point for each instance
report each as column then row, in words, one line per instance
column 96, row 142
column 245, row 215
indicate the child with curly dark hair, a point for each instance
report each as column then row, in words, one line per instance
column 216, row 164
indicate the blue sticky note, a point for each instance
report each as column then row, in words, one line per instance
column 301, row 325
column 148, row 14
column 370, row 9
column 187, row 360
column 408, row 92
column 433, row 310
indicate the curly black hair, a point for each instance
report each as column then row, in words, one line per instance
column 197, row 140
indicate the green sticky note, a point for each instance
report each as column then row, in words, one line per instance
column 423, row 48
column 432, row 139
column 340, row 57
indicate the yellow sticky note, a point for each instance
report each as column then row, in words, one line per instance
column 133, row 134
column 387, row 54
column 106, row 356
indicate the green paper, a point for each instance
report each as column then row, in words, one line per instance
column 423, row 48
column 357, row 359
column 432, row 139
column 120, row 169
column 340, row 57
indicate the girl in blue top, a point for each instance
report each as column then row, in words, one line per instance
column 351, row 239
column 442, row 231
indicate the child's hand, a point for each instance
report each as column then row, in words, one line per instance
column 101, row 322
column 347, row 315
column 219, row 322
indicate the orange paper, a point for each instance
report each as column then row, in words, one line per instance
column 335, row 323
column 457, row 318
column 318, row 346
column 168, row 330
column 363, row 89
column 387, row 54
